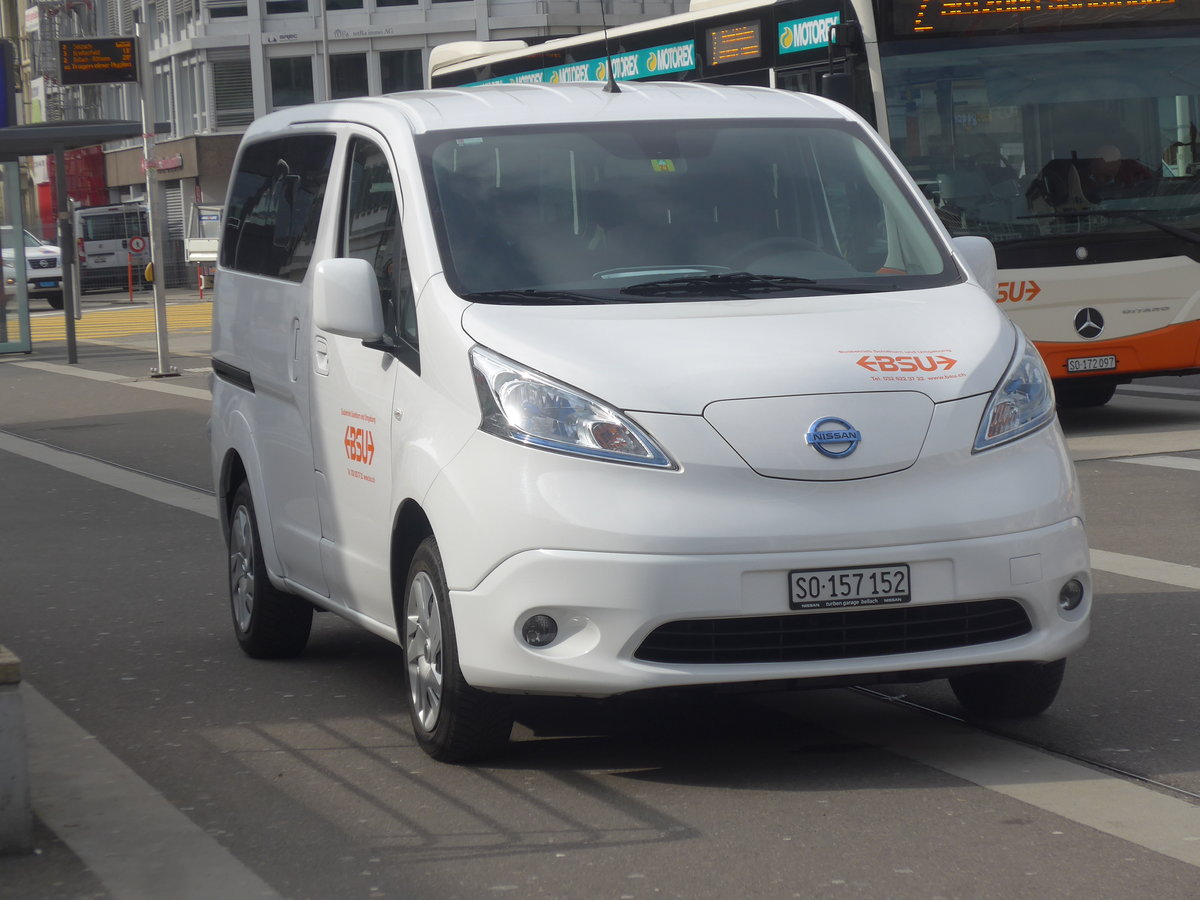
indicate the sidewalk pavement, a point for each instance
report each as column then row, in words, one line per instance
column 36, row 402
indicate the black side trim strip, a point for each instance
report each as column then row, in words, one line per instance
column 235, row 376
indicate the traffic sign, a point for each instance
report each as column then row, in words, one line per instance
column 137, row 244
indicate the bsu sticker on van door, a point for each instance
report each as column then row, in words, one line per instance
column 360, row 444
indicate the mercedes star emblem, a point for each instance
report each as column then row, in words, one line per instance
column 1089, row 323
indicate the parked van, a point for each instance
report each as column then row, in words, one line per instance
column 43, row 267
column 582, row 393
column 102, row 234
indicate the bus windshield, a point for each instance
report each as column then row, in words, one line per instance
column 630, row 212
column 1043, row 138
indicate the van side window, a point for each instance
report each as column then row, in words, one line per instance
column 275, row 206
column 371, row 231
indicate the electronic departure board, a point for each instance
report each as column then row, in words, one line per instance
column 733, row 42
column 917, row 18
column 101, row 60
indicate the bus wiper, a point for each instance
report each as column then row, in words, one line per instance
column 533, row 297
column 740, row 284
column 1138, row 215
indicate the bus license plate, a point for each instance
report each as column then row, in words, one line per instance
column 851, row 588
column 1091, row 364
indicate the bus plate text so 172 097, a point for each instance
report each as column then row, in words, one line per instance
column 1092, row 364
column 850, row 588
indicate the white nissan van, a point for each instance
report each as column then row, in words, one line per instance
column 577, row 392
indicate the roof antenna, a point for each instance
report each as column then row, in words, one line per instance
column 611, row 86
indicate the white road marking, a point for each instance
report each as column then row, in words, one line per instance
column 1154, row 570
column 1127, row 810
column 1189, row 463
column 114, row 476
column 161, row 385
column 137, row 843
column 1108, row 446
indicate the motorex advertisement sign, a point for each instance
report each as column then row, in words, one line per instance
column 667, row 59
column 806, row 34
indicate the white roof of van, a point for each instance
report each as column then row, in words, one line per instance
column 531, row 104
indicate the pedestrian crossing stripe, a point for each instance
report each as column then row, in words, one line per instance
column 105, row 324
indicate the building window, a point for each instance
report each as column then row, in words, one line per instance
column 233, row 92
column 291, row 81
column 334, row 5
column 382, row 3
column 281, row 7
column 226, row 9
column 401, row 70
column 348, row 75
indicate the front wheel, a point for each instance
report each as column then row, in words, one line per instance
column 1083, row 393
column 269, row 623
column 1009, row 692
column 452, row 721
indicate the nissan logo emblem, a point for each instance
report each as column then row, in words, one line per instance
column 832, row 437
column 1089, row 323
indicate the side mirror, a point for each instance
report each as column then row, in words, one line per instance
column 980, row 257
column 836, row 86
column 346, row 299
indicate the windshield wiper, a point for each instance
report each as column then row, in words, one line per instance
column 741, row 284
column 1138, row 215
column 536, row 297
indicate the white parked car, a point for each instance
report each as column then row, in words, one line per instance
column 581, row 393
column 43, row 267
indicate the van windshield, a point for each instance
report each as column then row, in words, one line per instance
column 674, row 210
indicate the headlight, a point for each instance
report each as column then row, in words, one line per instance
column 1023, row 401
column 525, row 406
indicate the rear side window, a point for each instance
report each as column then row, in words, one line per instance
column 275, row 206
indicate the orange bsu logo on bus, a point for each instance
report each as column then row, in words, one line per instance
column 1017, row 291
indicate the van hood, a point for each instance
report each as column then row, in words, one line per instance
column 818, row 389
column 672, row 357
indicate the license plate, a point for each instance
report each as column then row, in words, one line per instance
column 1091, row 364
column 47, row 284
column 852, row 588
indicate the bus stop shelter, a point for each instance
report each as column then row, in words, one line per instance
column 52, row 139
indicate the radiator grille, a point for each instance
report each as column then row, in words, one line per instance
column 835, row 635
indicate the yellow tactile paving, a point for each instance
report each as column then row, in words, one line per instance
column 100, row 325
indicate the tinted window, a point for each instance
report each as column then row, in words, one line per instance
column 371, row 231
column 601, row 209
column 275, row 206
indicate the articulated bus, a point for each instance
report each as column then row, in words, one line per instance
column 1065, row 131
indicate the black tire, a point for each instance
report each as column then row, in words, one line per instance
column 55, row 301
column 1008, row 692
column 1083, row 393
column 269, row 623
column 452, row 721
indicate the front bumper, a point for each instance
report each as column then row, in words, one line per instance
column 606, row 604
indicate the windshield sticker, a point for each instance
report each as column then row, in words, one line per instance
column 907, row 365
column 662, row 165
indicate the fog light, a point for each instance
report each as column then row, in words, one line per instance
column 539, row 630
column 1071, row 594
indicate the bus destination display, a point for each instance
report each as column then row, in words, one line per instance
column 734, row 42
column 915, row 18
column 97, row 60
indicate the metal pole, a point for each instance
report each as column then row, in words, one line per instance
column 66, row 243
column 153, row 194
column 327, row 88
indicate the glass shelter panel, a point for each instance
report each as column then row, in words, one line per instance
column 14, row 297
